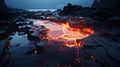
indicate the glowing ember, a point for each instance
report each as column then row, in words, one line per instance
column 66, row 33
column 35, row 51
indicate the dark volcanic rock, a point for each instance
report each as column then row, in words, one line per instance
column 3, row 5
column 105, row 3
column 114, row 22
column 114, row 53
column 111, row 5
column 12, row 28
column 38, row 33
column 95, row 4
column 33, row 36
column 70, row 9
column 3, row 34
column 42, row 44
column 101, row 14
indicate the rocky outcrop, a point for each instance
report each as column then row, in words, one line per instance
column 109, row 5
column 3, row 6
column 71, row 9
column 96, row 4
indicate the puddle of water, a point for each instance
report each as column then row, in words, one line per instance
column 19, row 40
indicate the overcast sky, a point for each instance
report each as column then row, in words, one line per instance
column 45, row 4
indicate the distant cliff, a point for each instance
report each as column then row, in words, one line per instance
column 3, row 6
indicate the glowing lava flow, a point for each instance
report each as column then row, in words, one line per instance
column 71, row 35
column 62, row 31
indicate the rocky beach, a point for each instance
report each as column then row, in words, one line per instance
column 74, row 36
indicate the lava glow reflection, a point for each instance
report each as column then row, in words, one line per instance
column 64, row 32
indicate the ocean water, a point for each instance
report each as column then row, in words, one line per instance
column 35, row 10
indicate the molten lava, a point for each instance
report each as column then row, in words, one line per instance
column 63, row 31
column 72, row 34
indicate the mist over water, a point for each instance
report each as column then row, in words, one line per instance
column 35, row 10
